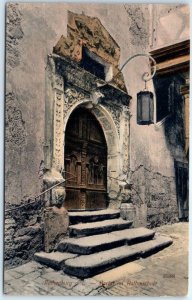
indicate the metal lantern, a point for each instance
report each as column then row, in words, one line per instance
column 145, row 108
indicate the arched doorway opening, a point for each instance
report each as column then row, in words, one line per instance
column 85, row 162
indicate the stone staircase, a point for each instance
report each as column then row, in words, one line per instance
column 99, row 241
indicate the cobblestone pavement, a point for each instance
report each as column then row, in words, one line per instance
column 164, row 273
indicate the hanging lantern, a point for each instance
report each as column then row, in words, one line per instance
column 145, row 108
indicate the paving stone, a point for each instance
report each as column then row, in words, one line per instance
column 8, row 276
column 119, row 272
column 26, row 268
column 94, row 293
column 8, row 289
column 61, row 280
column 40, row 284
column 60, row 289
column 91, row 282
column 46, row 269
column 83, row 289
column 55, row 293
column 14, row 273
column 17, row 285
column 31, row 276
column 73, row 293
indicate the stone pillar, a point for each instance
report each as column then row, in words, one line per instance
column 125, row 142
column 56, row 220
column 54, row 134
column 56, row 223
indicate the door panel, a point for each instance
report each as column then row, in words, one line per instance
column 86, row 160
column 96, row 199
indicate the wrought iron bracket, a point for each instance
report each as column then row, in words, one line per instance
column 146, row 76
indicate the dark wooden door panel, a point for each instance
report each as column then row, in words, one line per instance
column 96, row 200
column 86, row 160
column 72, row 200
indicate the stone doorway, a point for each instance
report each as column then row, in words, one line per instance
column 85, row 162
column 71, row 83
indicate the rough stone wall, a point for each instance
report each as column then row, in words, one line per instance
column 155, row 198
column 23, row 233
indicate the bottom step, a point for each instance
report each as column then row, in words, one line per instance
column 84, row 266
column 54, row 260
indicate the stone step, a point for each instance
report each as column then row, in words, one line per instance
column 92, row 244
column 54, row 260
column 85, row 229
column 76, row 217
column 84, row 266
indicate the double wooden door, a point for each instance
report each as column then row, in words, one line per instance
column 85, row 162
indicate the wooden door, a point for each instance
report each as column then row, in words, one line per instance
column 86, row 160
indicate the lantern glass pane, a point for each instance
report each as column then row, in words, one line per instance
column 145, row 108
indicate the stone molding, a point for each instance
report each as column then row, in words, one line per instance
column 172, row 58
column 88, row 32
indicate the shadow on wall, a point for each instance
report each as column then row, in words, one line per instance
column 170, row 104
column 159, row 205
column 165, row 198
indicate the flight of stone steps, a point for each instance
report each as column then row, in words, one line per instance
column 99, row 241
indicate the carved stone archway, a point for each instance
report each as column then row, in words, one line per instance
column 70, row 85
column 61, row 101
column 110, row 132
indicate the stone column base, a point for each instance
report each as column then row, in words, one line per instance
column 56, row 223
column 128, row 212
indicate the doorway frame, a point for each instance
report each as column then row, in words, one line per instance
column 63, row 94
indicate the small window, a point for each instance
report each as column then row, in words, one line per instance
column 163, row 89
column 91, row 65
column 167, row 92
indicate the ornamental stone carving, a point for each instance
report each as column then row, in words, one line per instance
column 85, row 31
column 58, row 137
column 72, row 96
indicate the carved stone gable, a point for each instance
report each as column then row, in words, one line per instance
column 88, row 32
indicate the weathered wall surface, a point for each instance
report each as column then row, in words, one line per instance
column 32, row 31
column 170, row 24
column 23, row 233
